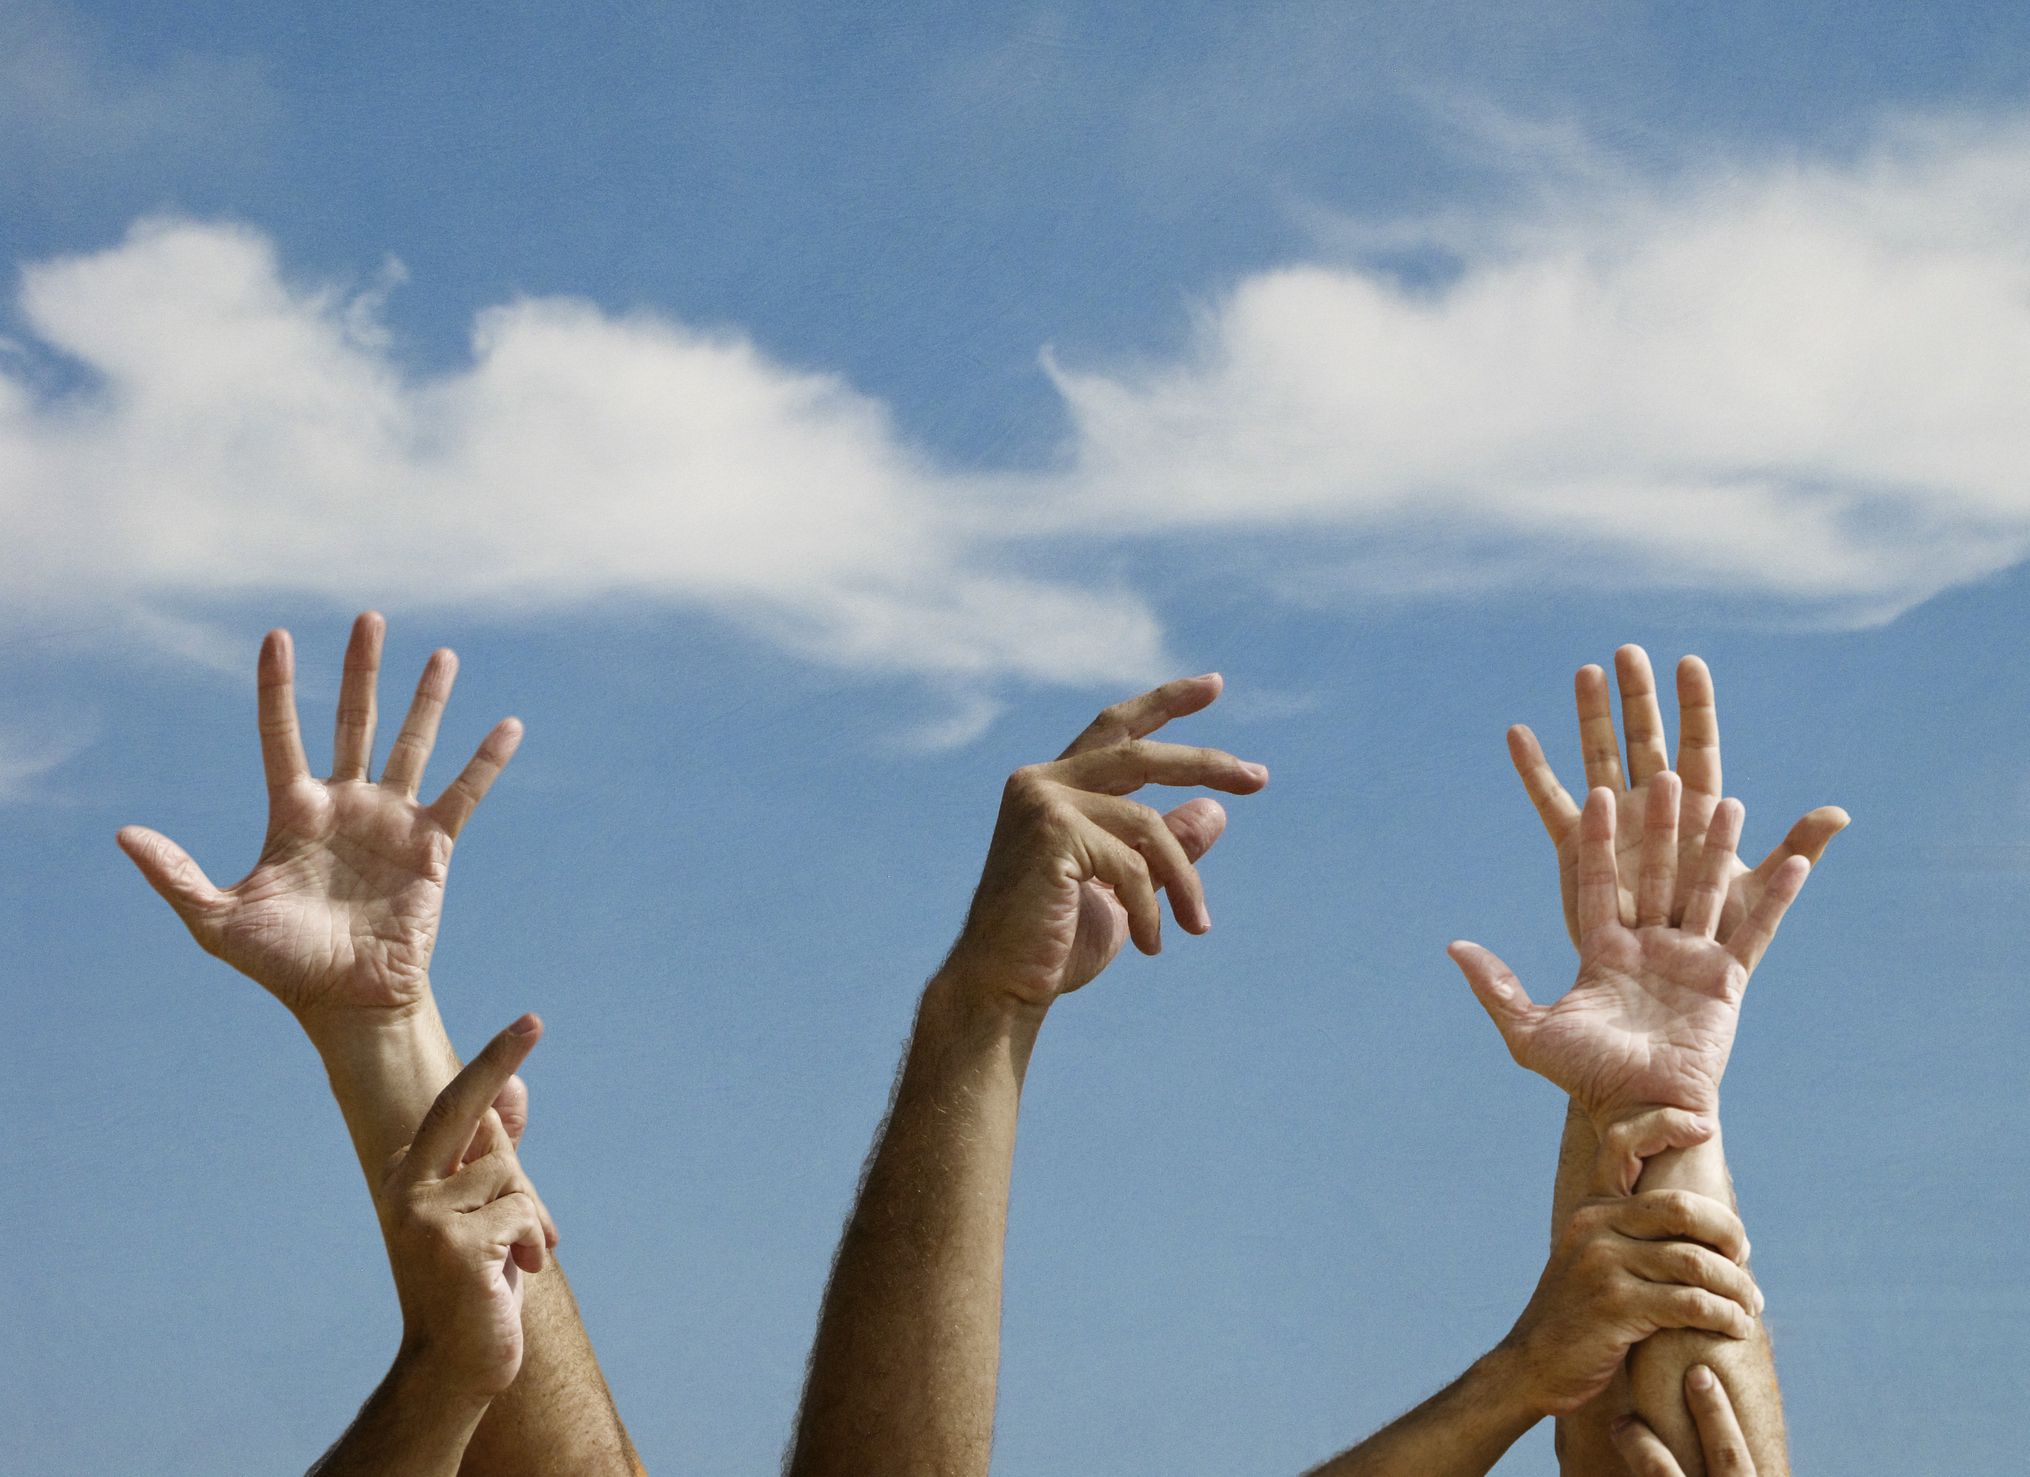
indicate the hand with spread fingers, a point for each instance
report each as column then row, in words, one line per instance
column 1721, row 1441
column 341, row 909
column 1650, row 1019
column 1698, row 770
column 463, row 1226
column 1074, row 867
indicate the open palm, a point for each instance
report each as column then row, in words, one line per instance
column 342, row 908
column 1698, row 769
column 1650, row 1019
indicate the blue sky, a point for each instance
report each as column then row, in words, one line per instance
column 800, row 420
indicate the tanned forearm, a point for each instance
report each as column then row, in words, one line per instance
column 908, row 1346
column 407, row 1428
column 1746, row 1368
column 558, row 1415
column 1652, row 1384
column 1461, row 1431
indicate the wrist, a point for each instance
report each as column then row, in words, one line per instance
column 418, row 1383
column 1499, row 1386
column 966, row 998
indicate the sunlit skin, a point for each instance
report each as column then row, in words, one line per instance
column 338, row 919
column 1681, row 1053
column 1650, row 1019
column 341, row 910
column 1698, row 772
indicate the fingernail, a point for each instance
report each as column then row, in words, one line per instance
column 1205, row 676
column 528, row 1025
column 1746, row 1248
column 1701, row 1378
column 1760, row 1302
column 1259, row 771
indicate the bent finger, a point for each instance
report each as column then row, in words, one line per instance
column 1169, row 868
column 1106, row 858
column 1121, row 768
column 1686, row 1263
column 1140, row 716
column 1643, row 1450
column 1626, row 1144
column 1659, row 1215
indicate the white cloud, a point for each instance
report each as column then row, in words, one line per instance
column 1802, row 383
column 244, row 434
column 1805, row 381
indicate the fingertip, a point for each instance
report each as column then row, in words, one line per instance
column 529, row 1026
column 1698, row 1377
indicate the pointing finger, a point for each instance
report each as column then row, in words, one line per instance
column 453, row 1119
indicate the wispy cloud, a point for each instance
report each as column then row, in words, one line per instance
column 1800, row 382
column 71, row 108
column 28, row 754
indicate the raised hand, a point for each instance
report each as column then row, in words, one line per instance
column 463, row 1223
column 341, row 910
column 1074, row 867
column 1698, row 769
column 1650, row 1019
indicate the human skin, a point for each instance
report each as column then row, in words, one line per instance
column 1622, row 1267
column 338, row 921
column 903, row 1369
column 1748, row 1369
column 462, row 1225
column 1723, row 1445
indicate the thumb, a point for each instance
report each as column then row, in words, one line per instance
column 513, row 1107
column 1808, row 839
column 1499, row 992
column 1196, row 824
column 181, row 881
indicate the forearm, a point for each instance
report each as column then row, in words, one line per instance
column 908, row 1345
column 558, row 1415
column 1461, row 1431
column 407, row 1428
column 1583, row 1445
column 1747, row 1368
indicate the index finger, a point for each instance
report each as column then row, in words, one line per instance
column 455, row 1117
column 1138, row 717
column 1120, row 768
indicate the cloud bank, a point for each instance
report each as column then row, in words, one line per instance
column 1803, row 383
